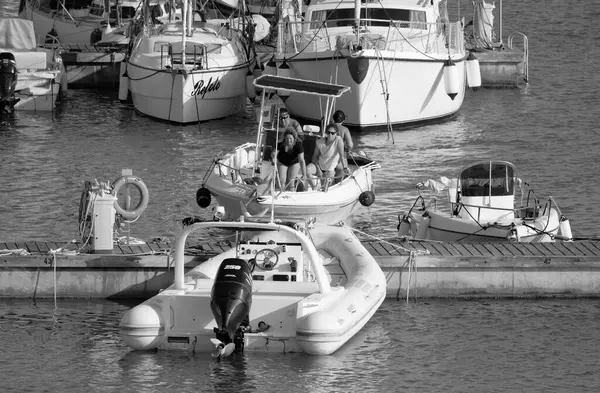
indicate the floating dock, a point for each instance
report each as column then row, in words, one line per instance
column 413, row 269
column 95, row 66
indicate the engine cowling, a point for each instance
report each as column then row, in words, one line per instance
column 231, row 297
column 8, row 80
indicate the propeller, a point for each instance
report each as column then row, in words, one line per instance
column 221, row 350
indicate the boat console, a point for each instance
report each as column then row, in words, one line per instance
column 270, row 261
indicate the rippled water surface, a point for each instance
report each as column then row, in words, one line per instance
column 433, row 346
column 549, row 130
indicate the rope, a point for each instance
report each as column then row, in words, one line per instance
column 385, row 92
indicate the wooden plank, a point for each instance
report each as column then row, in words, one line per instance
column 595, row 246
column 583, row 248
column 435, row 249
column 461, row 250
column 43, row 247
column 391, row 250
column 504, row 251
column 472, row 249
column 379, row 248
column 371, row 249
column 515, row 250
column 483, row 250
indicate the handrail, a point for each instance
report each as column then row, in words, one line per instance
column 525, row 52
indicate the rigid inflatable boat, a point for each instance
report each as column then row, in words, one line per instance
column 282, row 287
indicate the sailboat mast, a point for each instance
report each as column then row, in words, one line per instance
column 357, row 18
column 184, row 23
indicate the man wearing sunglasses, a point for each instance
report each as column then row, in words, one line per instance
column 287, row 123
column 329, row 151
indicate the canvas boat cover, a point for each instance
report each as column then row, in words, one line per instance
column 300, row 86
column 9, row 8
column 483, row 24
column 16, row 33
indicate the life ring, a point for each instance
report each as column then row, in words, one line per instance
column 134, row 213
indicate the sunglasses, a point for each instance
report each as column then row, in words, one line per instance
column 284, row 117
column 331, row 132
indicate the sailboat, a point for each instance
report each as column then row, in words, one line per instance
column 188, row 70
column 403, row 60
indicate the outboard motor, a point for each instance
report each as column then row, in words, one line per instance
column 231, row 298
column 8, row 81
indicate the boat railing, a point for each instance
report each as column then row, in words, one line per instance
column 385, row 35
column 525, row 45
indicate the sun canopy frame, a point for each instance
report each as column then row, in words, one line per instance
column 300, row 86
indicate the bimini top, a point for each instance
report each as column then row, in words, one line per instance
column 488, row 178
column 300, row 86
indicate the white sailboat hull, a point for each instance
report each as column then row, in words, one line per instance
column 415, row 93
column 179, row 98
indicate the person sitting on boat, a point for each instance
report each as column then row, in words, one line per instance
column 287, row 123
column 329, row 151
column 290, row 159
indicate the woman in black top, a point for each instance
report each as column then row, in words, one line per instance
column 290, row 159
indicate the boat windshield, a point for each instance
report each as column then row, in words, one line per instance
column 489, row 178
column 374, row 17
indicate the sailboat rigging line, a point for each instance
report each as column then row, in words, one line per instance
column 385, row 91
column 171, row 99
column 195, row 97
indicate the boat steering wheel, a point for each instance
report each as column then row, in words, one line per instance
column 266, row 259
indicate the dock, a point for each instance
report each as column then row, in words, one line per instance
column 96, row 66
column 414, row 269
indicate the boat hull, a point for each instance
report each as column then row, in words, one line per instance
column 67, row 30
column 226, row 182
column 445, row 228
column 176, row 97
column 415, row 88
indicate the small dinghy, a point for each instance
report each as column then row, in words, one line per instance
column 282, row 287
column 481, row 206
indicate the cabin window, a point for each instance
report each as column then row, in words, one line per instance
column 373, row 17
column 126, row 12
column 476, row 180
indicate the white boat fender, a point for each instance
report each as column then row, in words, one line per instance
column 565, row 229
column 404, row 224
column 451, row 78
column 473, row 72
column 423, row 227
column 250, row 89
column 143, row 190
column 203, row 197
column 366, row 198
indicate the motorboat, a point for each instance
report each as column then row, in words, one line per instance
column 404, row 61
column 282, row 287
column 486, row 202
column 245, row 180
column 188, row 70
column 33, row 78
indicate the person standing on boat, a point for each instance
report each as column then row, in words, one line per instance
column 287, row 123
column 329, row 152
column 290, row 160
column 338, row 118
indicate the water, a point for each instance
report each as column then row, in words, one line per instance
column 433, row 346
column 549, row 130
